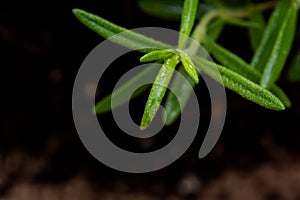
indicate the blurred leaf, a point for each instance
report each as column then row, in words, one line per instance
column 104, row 105
column 256, row 34
column 264, row 50
column 228, row 3
column 294, row 70
column 215, row 28
column 183, row 90
column 166, row 9
column 169, row 9
column 232, row 61
column 107, row 29
column 281, row 48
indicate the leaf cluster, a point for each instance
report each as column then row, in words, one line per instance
column 270, row 40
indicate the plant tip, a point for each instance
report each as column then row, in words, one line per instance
column 94, row 111
column 143, row 127
column 75, row 10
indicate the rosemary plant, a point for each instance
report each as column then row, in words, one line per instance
column 271, row 42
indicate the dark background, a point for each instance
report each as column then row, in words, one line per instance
column 42, row 157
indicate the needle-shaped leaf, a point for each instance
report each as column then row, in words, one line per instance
column 158, row 90
column 262, row 55
column 281, row 47
column 239, row 84
column 238, row 65
column 107, row 29
column 105, row 105
column 174, row 104
column 187, row 21
column 157, row 55
column 189, row 66
column 256, row 33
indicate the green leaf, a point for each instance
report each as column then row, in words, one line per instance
column 169, row 9
column 128, row 39
column 239, row 84
column 238, row 65
column 294, row 70
column 187, row 21
column 240, row 22
column 256, row 34
column 215, row 28
column 183, row 88
column 266, row 45
column 158, row 90
column 157, row 55
column 189, row 66
column 281, row 48
column 166, row 9
column 104, row 105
